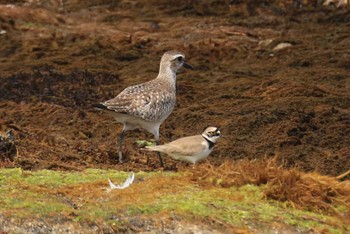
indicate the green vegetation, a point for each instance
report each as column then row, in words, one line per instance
column 143, row 143
column 85, row 197
column 32, row 25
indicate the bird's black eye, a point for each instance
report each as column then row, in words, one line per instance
column 215, row 133
column 180, row 59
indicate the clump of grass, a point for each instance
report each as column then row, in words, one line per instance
column 308, row 191
column 237, row 173
column 143, row 143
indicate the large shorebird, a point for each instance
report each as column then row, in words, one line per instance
column 147, row 105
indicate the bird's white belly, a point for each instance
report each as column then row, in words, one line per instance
column 193, row 158
column 131, row 123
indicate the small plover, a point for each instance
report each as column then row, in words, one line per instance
column 147, row 105
column 192, row 148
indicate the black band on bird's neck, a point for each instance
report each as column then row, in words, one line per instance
column 211, row 144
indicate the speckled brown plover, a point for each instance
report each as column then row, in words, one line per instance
column 147, row 105
column 192, row 148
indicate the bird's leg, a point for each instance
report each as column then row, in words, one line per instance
column 120, row 143
column 156, row 136
column 147, row 162
column 159, row 156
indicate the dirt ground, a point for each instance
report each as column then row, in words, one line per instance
column 274, row 76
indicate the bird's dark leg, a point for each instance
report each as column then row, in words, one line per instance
column 159, row 156
column 147, row 162
column 120, row 143
column 156, row 136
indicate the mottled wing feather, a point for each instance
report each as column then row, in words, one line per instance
column 145, row 101
column 124, row 100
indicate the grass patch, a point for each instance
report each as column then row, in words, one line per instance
column 307, row 191
column 83, row 197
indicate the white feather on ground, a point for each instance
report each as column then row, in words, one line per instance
column 126, row 183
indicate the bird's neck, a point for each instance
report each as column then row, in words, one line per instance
column 167, row 74
column 211, row 143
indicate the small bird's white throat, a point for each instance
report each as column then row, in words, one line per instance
column 211, row 139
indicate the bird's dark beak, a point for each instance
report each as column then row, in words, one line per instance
column 188, row 66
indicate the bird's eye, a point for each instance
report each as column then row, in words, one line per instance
column 180, row 59
column 215, row 133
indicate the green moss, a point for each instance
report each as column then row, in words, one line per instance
column 54, row 179
column 37, row 194
column 28, row 204
column 253, row 208
column 31, row 25
column 143, row 143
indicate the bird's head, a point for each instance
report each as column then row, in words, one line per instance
column 173, row 60
column 211, row 134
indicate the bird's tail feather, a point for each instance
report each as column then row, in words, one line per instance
column 158, row 148
column 99, row 106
